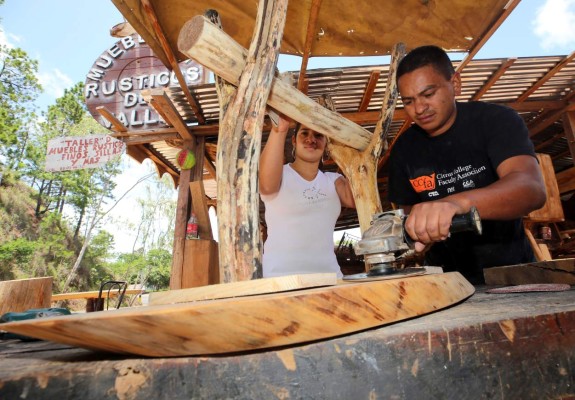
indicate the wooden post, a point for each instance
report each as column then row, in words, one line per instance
column 360, row 167
column 239, row 145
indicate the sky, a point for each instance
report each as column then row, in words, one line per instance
column 67, row 36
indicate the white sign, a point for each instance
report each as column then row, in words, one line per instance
column 78, row 152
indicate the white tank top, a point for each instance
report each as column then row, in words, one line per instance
column 301, row 219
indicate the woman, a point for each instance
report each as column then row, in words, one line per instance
column 302, row 204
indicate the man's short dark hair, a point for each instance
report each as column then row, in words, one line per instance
column 424, row 56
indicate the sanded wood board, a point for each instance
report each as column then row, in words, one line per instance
column 244, row 288
column 253, row 322
column 553, row 271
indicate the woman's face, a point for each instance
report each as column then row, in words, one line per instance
column 309, row 145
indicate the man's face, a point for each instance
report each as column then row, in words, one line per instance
column 429, row 99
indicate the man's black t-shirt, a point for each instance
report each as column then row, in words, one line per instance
column 465, row 157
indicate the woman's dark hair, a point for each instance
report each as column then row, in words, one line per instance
column 424, row 56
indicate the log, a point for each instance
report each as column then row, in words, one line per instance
column 202, row 41
column 360, row 167
column 239, row 143
column 24, row 294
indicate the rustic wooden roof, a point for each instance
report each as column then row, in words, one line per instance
column 328, row 27
column 541, row 89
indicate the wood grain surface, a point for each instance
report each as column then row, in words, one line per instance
column 23, row 294
column 244, row 288
column 254, row 322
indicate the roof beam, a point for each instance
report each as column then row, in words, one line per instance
column 310, row 36
column 142, row 139
column 369, row 89
column 548, row 119
column 550, row 74
column 494, row 78
column 151, row 14
column 141, row 152
column 510, row 6
column 159, row 99
column 116, row 123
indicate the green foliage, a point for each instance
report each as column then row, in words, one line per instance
column 19, row 87
column 151, row 269
column 35, row 238
column 16, row 210
column 15, row 255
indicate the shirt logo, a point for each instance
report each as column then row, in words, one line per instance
column 423, row 183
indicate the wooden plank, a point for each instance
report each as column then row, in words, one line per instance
column 93, row 294
column 23, row 294
column 552, row 210
column 244, row 288
column 200, row 208
column 566, row 180
column 252, row 322
column 180, row 229
column 554, row 271
column 201, row 263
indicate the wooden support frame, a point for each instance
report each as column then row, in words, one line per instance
column 169, row 53
column 239, row 145
column 159, row 99
column 116, row 123
column 551, row 73
column 309, row 39
column 494, row 78
column 360, row 167
column 485, row 37
column 204, row 42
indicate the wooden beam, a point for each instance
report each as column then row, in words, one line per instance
column 494, row 78
column 509, row 7
column 208, row 45
column 141, row 139
column 369, row 89
column 200, row 208
column 141, row 152
column 151, row 14
column 116, row 123
column 360, row 167
column 549, row 119
column 551, row 73
column 569, row 129
column 159, row 131
column 159, row 99
column 566, row 180
column 309, row 40
column 239, row 143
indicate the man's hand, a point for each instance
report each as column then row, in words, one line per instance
column 430, row 221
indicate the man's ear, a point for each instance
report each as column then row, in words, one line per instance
column 456, row 81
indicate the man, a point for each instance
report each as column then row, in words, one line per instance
column 459, row 155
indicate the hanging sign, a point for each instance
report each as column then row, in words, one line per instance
column 118, row 76
column 78, row 152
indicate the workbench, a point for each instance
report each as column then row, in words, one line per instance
column 491, row 346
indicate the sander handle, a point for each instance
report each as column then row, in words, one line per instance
column 468, row 222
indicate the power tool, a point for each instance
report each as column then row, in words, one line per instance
column 386, row 243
